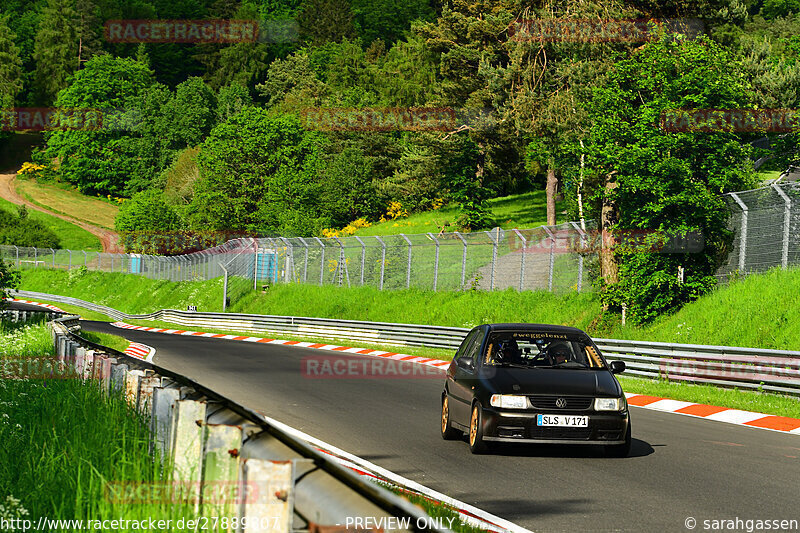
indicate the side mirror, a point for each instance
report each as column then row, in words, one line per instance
column 617, row 367
column 466, row 364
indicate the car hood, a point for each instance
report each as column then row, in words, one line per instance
column 553, row 381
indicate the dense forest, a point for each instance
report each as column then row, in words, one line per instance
column 226, row 136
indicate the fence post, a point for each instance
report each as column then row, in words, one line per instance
column 463, row 259
column 383, row 260
column 494, row 256
column 363, row 257
column 521, row 259
column 436, row 261
column 54, row 257
column 305, row 261
column 224, row 288
column 580, row 255
column 289, row 262
column 69, row 266
column 321, row 261
column 17, row 249
column 85, row 262
column 35, row 257
column 255, row 265
column 787, row 218
column 408, row 269
column 743, row 236
column 552, row 258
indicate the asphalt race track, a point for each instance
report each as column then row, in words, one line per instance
column 679, row 467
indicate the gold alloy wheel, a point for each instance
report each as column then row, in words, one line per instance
column 473, row 426
column 445, row 415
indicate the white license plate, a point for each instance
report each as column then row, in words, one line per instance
column 562, row 421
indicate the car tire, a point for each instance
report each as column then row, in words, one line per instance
column 620, row 450
column 448, row 431
column 475, row 437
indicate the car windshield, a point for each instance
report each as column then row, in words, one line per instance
column 530, row 349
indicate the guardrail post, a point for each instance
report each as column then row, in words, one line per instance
column 220, row 468
column 383, row 261
column 321, row 261
column 408, row 269
column 552, row 258
column 163, row 400
column 463, row 259
column 743, row 236
column 582, row 234
column 787, row 219
column 132, row 382
column 186, row 441
column 435, row 261
column 521, row 259
column 363, row 256
column 274, row 506
column 119, row 372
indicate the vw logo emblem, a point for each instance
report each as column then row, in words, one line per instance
column 561, row 403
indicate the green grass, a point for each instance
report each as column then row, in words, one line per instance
column 115, row 342
column 527, row 210
column 63, row 441
column 72, row 237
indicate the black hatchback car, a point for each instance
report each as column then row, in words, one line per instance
column 533, row 383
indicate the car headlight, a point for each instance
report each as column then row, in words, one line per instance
column 609, row 404
column 509, row 401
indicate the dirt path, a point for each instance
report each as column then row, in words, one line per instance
column 108, row 238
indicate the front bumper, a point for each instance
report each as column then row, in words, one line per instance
column 521, row 427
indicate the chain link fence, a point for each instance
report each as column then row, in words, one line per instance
column 543, row 258
column 766, row 226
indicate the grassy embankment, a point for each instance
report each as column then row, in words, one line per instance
column 63, row 441
column 71, row 237
column 65, row 200
column 729, row 316
column 526, row 210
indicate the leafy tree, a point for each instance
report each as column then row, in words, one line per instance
column 101, row 161
column 144, row 220
column 20, row 230
column 259, row 173
column 323, row 21
column 9, row 280
column 348, row 191
column 388, row 20
column 231, row 99
column 56, row 48
column 659, row 184
column 10, row 66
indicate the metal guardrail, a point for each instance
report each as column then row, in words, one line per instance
column 776, row 371
column 322, row 493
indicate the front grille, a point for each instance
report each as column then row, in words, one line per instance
column 574, row 403
column 560, row 433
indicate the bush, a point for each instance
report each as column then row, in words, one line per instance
column 19, row 230
column 142, row 221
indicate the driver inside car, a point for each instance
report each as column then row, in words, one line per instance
column 507, row 351
column 559, row 352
